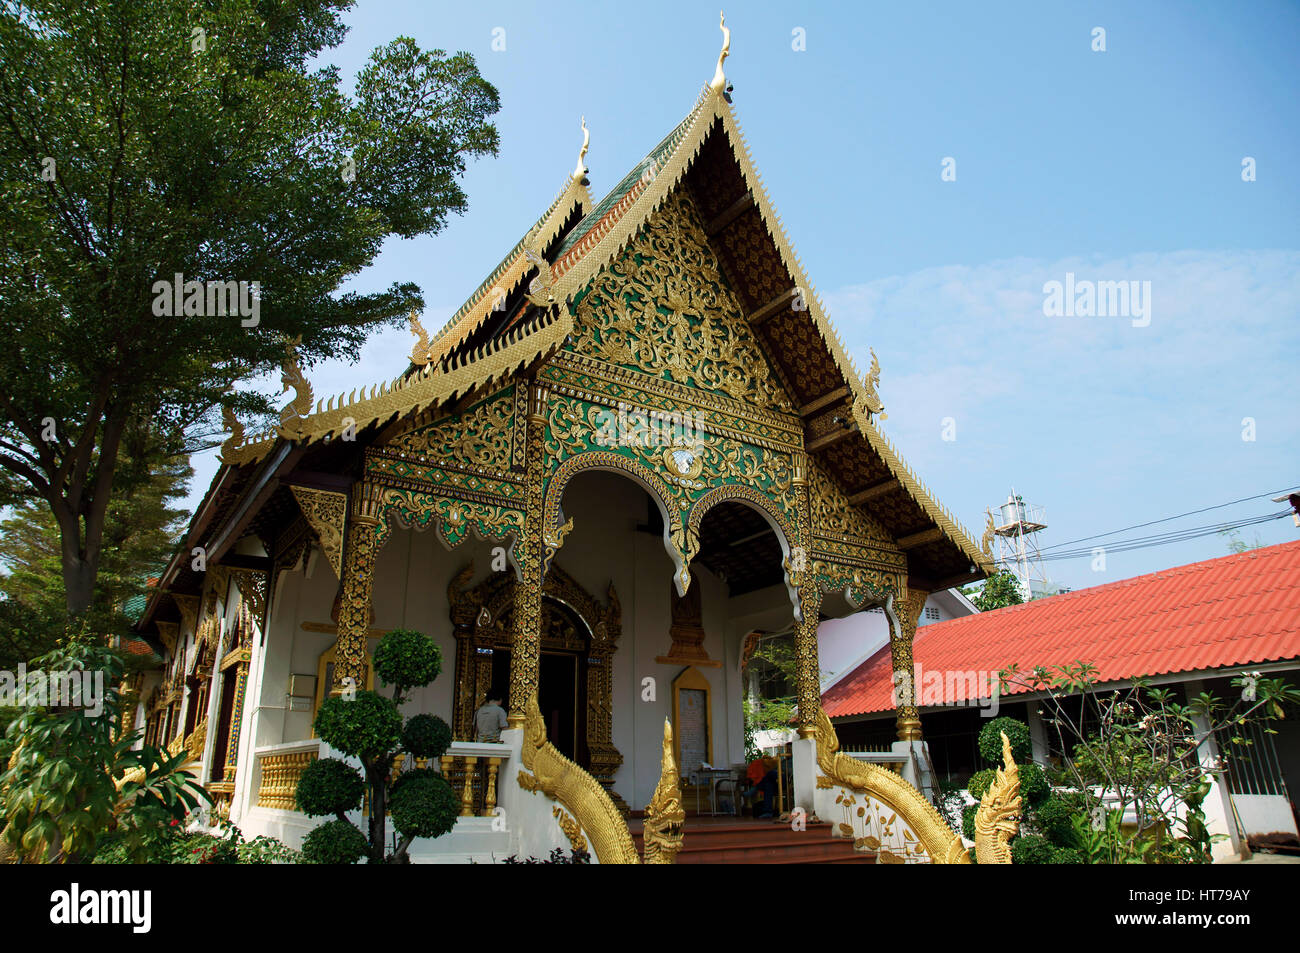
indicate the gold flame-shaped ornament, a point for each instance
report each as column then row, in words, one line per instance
column 719, row 81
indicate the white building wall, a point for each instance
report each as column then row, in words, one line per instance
column 844, row 644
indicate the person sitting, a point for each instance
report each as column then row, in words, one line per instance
column 761, row 774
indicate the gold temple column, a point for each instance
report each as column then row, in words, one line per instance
column 808, row 677
column 808, row 667
column 525, row 651
column 361, row 549
column 907, row 608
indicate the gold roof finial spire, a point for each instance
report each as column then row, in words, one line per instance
column 580, row 170
column 719, row 84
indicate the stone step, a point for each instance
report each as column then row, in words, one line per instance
column 759, row 843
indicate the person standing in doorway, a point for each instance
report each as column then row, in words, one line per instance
column 490, row 718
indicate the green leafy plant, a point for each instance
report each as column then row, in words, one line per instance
column 1017, row 732
column 968, row 821
column 59, row 792
column 979, row 783
column 335, row 842
column 1031, row 849
column 1054, row 819
column 557, row 856
column 368, row 726
column 1139, row 757
column 998, row 591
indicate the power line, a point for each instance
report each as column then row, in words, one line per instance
column 1167, row 519
column 1164, row 539
column 1192, row 532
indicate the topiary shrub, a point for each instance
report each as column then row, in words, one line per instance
column 979, row 783
column 990, row 740
column 407, row 659
column 1067, row 855
column 968, row 821
column 329, row 786
column 1031, row 849
column 366, row 726
column 424, row 807
column 1054, row 819
column 426, row 736
column 1033, row 784
column 335, row 842
column 407, row 776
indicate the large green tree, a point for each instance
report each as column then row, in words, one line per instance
column 141, row 139
column 140, row 532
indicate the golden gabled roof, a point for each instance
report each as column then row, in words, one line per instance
column 440, row 376
column 601, row 235
column 507, row 275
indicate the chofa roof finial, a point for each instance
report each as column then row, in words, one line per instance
column 719, row 84
column 580, row 170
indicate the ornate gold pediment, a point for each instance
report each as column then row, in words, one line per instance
column 326, row 513
column 664, row 308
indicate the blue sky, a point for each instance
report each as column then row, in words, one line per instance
column 1123, row 165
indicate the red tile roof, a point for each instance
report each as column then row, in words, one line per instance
column 1235, row 610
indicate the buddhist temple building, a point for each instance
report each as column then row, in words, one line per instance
column 638, row 443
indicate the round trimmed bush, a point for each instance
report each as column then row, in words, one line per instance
column 367, row 726
column 1031, row 849
column 329, row 786
column 424, row 807
column 335, row 842
column 407, row 659
column 968, row 821
column 1054, row 819
column 979, row 783
column 990, row 741
column 1067, row 855
column 1033, row 783
column 408, row 776
column 426, row 736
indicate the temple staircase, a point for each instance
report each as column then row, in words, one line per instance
column 728, row 840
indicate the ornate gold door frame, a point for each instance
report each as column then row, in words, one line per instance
column 482, row 621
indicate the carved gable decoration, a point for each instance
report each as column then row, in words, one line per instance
column 833, row 514
column 326, row 513
column 664, row 308
column 481, row 437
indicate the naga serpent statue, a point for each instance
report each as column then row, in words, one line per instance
column 941, row 842
column 998, row 817
column 594, row 812
column 664, row 815
column 577, row 791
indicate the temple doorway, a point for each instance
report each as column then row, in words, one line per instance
column 561, row 681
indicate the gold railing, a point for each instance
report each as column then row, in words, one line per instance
column 281, row 766
column 472, row 770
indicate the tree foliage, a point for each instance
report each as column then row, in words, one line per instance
column 999, row 590
column 140, row 533
column 144, row 139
